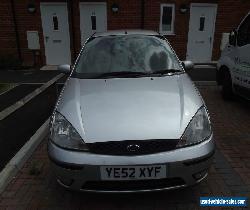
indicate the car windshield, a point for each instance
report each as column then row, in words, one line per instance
column 126, row 55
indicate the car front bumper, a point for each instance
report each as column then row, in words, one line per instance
column 81, row 171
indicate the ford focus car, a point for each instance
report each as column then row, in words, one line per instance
column 129, row 119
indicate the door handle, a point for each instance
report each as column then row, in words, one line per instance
column 46, row 38
column 210, row 39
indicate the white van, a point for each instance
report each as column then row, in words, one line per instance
column 233, row 68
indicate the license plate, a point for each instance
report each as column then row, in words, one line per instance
column 133, row 172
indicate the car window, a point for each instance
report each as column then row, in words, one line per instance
column 135, row 53
column 244, row 32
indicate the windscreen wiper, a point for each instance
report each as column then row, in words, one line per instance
column 121, row 74
column 165, row 71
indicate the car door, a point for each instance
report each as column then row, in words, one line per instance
column 241, row 71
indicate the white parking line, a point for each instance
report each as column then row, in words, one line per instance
column 6, row 112
column 14, row 85
column 16, row 163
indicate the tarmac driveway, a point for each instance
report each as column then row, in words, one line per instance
column 35, row 186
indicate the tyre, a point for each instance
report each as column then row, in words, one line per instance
column 227, row 87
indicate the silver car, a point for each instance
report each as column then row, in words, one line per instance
column 129, row 118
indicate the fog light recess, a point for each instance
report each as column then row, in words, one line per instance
column 66, row 182
column 200, row 175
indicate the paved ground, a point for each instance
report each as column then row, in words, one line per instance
column 28, row 76
column 229, row 175
column 203, row 73
column 15, row 94
column 18, row 127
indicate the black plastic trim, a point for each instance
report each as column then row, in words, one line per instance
column 199, row 160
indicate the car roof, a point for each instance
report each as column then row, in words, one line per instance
column 125, row 32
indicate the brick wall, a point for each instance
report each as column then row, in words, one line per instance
column 28, row 22
column 25, row 22
column 229, row 14
column 128, row 17
column 7, row 33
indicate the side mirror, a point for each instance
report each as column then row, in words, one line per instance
column 65, row 68
column 232, row 38
column 188, row 65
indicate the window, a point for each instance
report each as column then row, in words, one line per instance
column 243, row 37
column 55, row 23
column 167, row 18
column 93, row 22
column 202, row 23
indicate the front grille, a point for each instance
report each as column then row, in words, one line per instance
column 133, row 185
column 124, row 147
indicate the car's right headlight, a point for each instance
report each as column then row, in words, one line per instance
column 63, row 134
column 198, row 130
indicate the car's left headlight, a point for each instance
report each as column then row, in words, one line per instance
column 63, row 134
column 198, row 130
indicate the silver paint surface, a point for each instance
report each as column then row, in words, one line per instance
column 120, row 109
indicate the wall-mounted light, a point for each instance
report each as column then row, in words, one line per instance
column 115, row 8
column 31, row 8
column 183, row 8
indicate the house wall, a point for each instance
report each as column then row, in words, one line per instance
column 25, row 22
column 229, row 14
column 7, row 32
